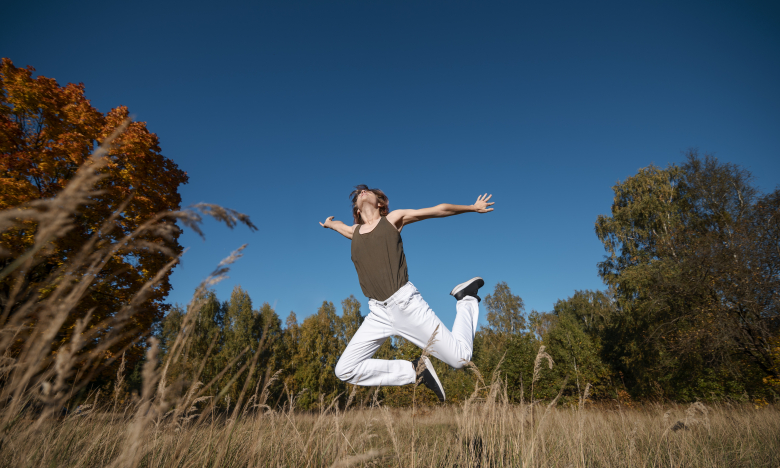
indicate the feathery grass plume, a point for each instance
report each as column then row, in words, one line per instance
column 252, row 368
column 147, row 410
column 539, row 428
column 480, row 380
column 355, row 459
column 581, row 421
column 252, row 403
column 195, row 304
column 261, row 404
column 542, row 354
column 495, row 383
column 186, row 404
column 321, row 418
column 391, row 431
column 690, row 415
column 584, row 396
column 120, row 381
column 190, row 398
column 632, row 445
column 351, row 396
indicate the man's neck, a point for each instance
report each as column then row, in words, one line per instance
column 370, row 217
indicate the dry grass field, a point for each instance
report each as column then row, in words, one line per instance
column 484, row 433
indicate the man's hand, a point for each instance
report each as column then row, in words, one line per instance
column 481, row 205
column 327, row 221
column 339, row 227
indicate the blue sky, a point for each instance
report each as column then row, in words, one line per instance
column 276, row 109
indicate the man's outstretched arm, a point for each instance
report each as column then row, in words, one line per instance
column 339, row 227
column 401, row 218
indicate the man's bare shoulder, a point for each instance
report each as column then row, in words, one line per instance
column 396, row 218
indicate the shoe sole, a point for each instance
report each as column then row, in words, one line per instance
column 429, row 366
column 463, row 285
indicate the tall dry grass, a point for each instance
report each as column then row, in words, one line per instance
column 177, row 424
column 485, row 432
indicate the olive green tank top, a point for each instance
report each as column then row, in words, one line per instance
column 379, row 260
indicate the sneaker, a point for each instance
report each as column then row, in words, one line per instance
column 429, row 377
column 469, row 288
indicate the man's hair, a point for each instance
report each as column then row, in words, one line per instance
column 380, row 195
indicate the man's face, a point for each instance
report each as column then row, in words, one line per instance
column 366, row 197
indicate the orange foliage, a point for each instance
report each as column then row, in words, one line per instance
column 46, row 132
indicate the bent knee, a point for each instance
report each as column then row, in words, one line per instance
column 343, row 372
column 460, row 365
column 463, row 361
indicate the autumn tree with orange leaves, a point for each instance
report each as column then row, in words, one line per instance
column 47, row 132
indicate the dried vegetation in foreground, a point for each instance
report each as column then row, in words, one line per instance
column 480, row 433
column 177, row 423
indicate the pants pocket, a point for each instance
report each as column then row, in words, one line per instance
column 410, row 303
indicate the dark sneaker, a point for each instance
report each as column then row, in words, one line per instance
column 429, row 377
column 469, row 288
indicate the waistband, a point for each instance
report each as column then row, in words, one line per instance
column 402, row 293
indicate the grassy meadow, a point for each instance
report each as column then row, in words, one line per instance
column 482, row 432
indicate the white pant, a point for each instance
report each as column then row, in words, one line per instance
column 406, row 314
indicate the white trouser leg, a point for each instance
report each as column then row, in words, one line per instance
column 406, row 314
column 355, row 365
column 417, row 322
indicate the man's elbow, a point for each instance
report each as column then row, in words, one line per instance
column 445, row 209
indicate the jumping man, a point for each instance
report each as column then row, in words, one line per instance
column 396, row 307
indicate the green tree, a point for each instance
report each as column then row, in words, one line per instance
column 241, row 330
column 274, row 352
column 206, row 333
column 518, row 369
column 351, row 320
column 506, row 318
column 268, row 326
column 318, row 351
column 574, row 341
column 505, row 310
column 291, row 338
column 692, row 259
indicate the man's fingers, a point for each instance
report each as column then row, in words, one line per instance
column 489, row 197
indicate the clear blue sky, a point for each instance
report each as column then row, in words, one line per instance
column 276, row 109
